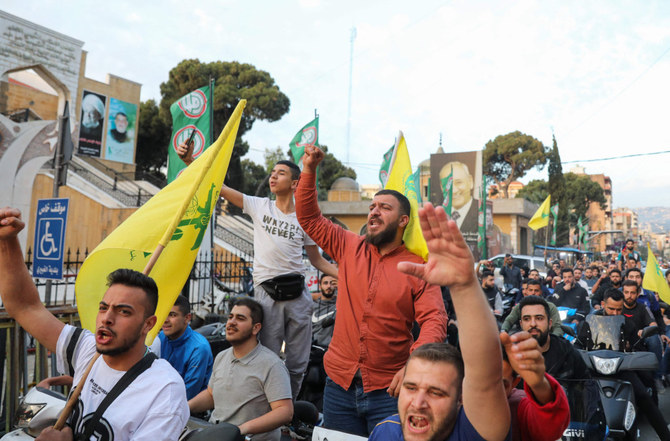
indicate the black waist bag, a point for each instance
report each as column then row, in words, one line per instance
column 285, row 287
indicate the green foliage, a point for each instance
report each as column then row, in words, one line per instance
column 274, row 156
column 535, row 191
column 233, row 81
column 254, row 179
column 580, row 192
column 557, row 190
column 508, row 157
column 153, row 137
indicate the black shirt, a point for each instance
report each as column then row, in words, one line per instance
column 563, row 362
column 576, row 297
column 639, row 315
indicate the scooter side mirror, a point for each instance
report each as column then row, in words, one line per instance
column 649, row 331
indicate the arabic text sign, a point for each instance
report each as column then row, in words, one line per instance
column 48, row 248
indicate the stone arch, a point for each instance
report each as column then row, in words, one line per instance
column 25, row 148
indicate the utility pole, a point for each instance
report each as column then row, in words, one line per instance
column 351, row 71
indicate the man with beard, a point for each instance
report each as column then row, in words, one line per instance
column 511, row 274
column 323, row 313
column 491, row 292
column 250, row 385
column 561, row 359
column 278, row 265
column 533, row 288
column 570, row 295
column 628, row 252
column 444, row 393
column 376, row 306
column 611, row 279
column 154, row 407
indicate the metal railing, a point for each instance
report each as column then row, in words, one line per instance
column 134, row 198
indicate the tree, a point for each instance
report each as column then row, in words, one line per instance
column 153, row 137
column 509, row 157
column 233, row 81
column 557, row 191
column 580, row 192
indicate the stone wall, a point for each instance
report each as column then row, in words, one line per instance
column 23, row 43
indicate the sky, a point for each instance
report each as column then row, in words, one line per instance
column 595, row 74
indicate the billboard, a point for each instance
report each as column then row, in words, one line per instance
column 467, row 181
column 91, row 124
column 120, row 141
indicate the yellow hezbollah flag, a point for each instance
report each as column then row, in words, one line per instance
column 401, row 179
column 653, row 278
column 176, row 218
column 541, row 217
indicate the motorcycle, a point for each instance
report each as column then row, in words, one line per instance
column 606, row 360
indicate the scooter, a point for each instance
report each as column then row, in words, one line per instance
column 605, row 362
column 38, row 410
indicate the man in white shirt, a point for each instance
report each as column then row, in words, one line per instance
column 154, row 405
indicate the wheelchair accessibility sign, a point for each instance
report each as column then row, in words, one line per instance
column 50, row 226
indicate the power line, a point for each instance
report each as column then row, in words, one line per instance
column 634, row 155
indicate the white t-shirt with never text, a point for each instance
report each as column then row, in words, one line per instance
column 153, row 407
column 278, row 239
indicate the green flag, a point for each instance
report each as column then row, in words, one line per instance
column 386, row 166
column 583, row 233
column 481, row 221
column 554, row 212
column 190, row 113
column 308, row 135
column 579, row 230
column 448, row 190
column 415, row 179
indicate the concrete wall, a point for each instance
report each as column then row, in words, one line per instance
column 23, row 43
column 20, row 96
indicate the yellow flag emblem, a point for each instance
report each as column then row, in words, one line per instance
column 541, row 217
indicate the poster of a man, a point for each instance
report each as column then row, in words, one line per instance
column 120, row 142
column 91, row 124
column 466, row 174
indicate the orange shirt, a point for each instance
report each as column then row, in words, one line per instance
column 376, row 304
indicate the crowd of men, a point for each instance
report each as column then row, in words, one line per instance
column 381, row 380
column 599, row 289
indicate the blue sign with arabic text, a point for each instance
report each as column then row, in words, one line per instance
column 49, row 243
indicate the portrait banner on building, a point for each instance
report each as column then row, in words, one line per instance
column 466, row 181
column 91, row 124
column 122, row 124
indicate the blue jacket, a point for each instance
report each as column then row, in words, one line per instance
column 191, row 356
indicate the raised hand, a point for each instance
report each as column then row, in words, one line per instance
column 185, row 152
column 312, row 157
column 10, row 223
column 525, row 357
column 450, row 261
